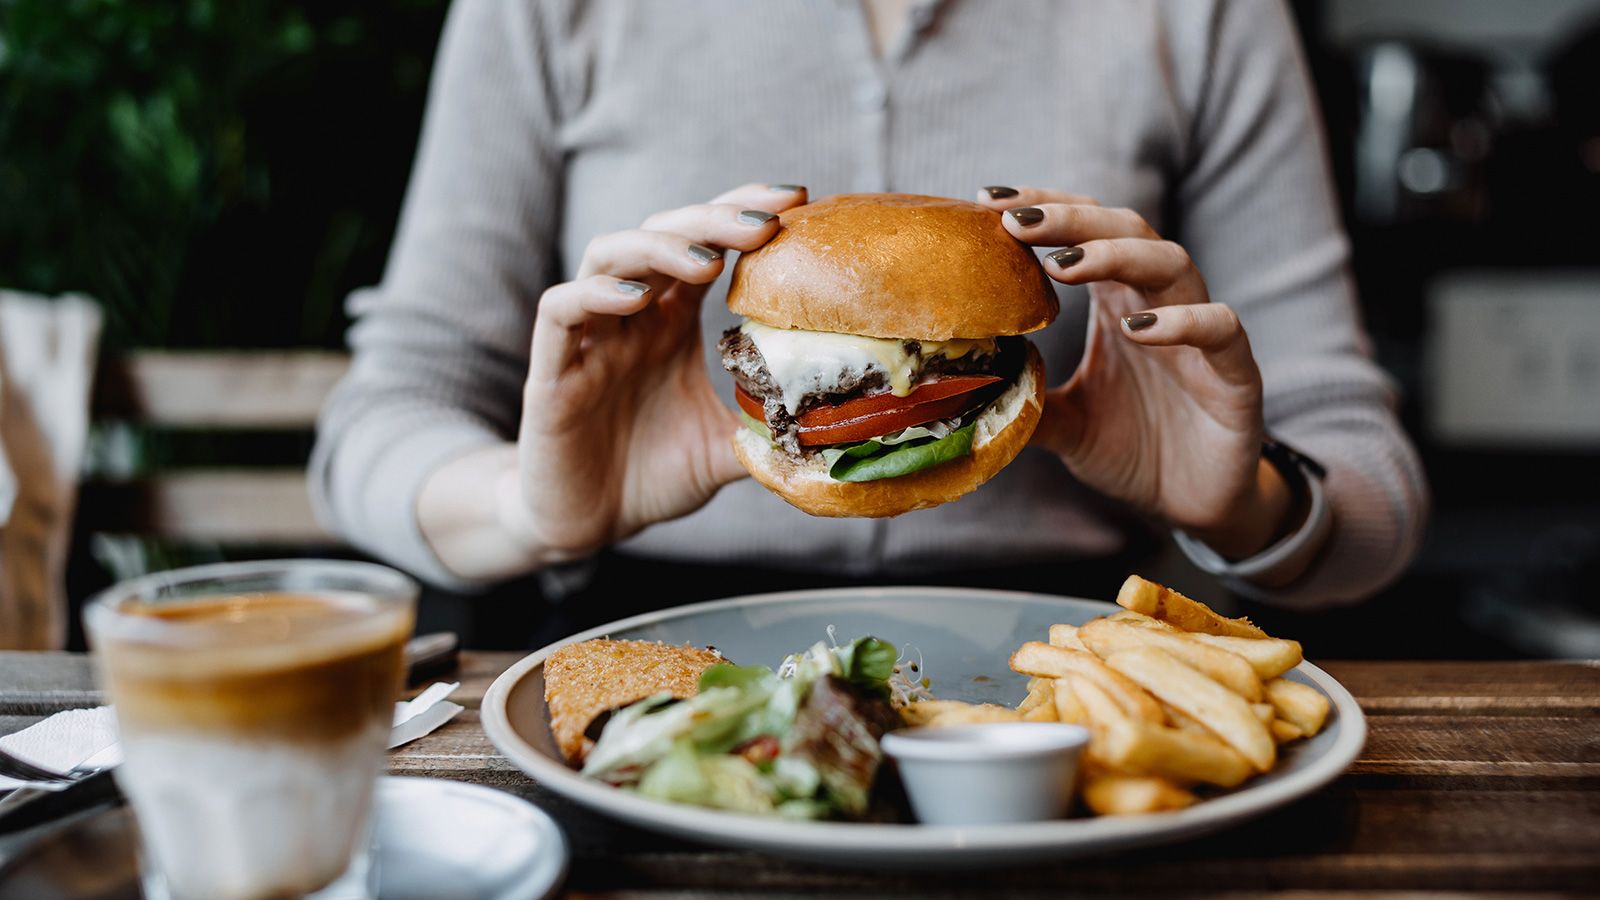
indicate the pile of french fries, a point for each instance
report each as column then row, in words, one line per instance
column 1173, row 694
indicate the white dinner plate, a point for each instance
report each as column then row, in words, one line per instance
column 964, row 638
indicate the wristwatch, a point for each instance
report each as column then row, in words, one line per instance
column 1304, row 476
column 1291, row 463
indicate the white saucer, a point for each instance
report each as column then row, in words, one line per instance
column 439, row 838
column 436, row 839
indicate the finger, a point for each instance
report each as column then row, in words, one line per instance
column 724, row 466
column 1003, row 197
column 719, row 224
column 1060, row 224
column 1140, row 263
column 1060, row 424
column 769, row 197
column 639, row 254
column 566, row 308
column 1212, row 328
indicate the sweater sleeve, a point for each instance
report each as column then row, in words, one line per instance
column 440, row 347
column 1258, row 216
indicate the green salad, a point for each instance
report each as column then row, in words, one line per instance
column 799, row 742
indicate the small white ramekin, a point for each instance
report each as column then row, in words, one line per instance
column 987, row 774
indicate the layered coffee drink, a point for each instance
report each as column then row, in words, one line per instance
column 253, row 727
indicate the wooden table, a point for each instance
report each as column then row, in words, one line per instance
column 1476, row 777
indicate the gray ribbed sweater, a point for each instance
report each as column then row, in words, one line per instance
column 552, row 122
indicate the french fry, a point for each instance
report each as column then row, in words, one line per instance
column 1169, row 606
column 1298, row 704
column 1044, row 661
column 1264, row 712
column 1045, row 711
column 1132, row 746
column 1068, row 709
column 1066, row 636
column 1225, row 713
column 1041, row 691
column 944, row 713
column 1136, row 618
column 1113, row 794
column 1284, row 732
column 1184, row 722
column 1270, row 657
column 1230, row 670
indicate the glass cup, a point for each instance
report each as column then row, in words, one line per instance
column 254, row 701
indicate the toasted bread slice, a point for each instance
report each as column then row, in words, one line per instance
column 581, row 681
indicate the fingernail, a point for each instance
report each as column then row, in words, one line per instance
column 704, row 255
column 633, row 288
column 1000, row 191
column 1139, row 321
column 786, row 188
column 1026, row 215
column 1066, row 256
column 755, row 217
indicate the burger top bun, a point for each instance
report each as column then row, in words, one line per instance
column 894, row 266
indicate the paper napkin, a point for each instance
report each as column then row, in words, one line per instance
column 87, row 738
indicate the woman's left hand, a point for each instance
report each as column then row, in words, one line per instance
column 1165, row 410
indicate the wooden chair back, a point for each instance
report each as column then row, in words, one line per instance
column 213, row 391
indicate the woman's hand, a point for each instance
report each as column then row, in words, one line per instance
column 620, row 425
column 1165, row 410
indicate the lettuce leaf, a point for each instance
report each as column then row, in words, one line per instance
column 870, row 460
column 756, row 425
column 685, row 775
column 870, row 664
column 729, row 675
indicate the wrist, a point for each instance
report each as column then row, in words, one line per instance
column 473, row 516
column 1263, row 515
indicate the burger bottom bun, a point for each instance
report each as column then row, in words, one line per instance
column 1002, row 431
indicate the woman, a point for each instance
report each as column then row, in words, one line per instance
column 553, row 290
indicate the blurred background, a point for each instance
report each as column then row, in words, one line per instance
column 220, row 175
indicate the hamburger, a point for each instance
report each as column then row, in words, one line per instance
column 880, row 367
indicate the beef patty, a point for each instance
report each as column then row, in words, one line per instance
column 741, row 357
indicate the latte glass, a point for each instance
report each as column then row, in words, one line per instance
column 254, row 701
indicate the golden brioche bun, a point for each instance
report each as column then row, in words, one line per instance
column 1002, row 431
column 894, row 266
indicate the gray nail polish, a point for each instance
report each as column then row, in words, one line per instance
column 755, row 217
column 704, row 255
column 635, row 288
column 1026, row 216
column 1066, row 256
column 1139, row 321
column 1000, row 192
column 786, row 188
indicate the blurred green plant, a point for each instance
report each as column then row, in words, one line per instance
column 215, row 172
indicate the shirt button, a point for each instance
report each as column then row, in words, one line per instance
column 871, row 98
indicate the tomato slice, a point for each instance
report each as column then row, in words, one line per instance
column 884, row 413
column 892, row 420
column 751, row 406
column 937, row 389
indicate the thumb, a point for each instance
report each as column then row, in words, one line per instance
column 1061, row 427
column 722, row 465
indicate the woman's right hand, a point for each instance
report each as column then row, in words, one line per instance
column 620, row 425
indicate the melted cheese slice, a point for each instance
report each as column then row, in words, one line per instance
column 807, row 362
